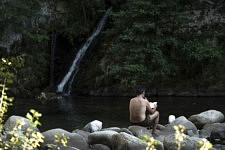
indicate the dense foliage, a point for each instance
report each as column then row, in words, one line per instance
column 157, row 43
column 154, row 43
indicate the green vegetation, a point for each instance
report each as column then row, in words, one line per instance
column 61, row 140
column 179, row 135
column 31, row 138
column 152, row 143
column 152, row 44
column 5, row 77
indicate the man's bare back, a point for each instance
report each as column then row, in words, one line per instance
column 138, row 106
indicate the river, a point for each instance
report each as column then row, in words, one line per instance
column 74, row 112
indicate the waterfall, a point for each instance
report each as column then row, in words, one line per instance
column 74, row 67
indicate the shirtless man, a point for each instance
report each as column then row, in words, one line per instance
column 138, row 115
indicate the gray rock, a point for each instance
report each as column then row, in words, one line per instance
column 75, row 140
column 186, row 144
column 207, row 129
column 160, row 127
column 182, row 121
column 54, row 147
column 207, row 117
column 126, row 130
column 82, row 133
column 13, row 121
column 100, row 147
column 140, row 131
column 93, row 126
column 218, row 135
column 124, row 141
column 116, row 129
column 101, row 137
column 219, row 147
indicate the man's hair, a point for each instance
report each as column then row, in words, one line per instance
column 140, row 90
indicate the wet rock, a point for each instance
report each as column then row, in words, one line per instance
column 44, row 97
column 207, row 117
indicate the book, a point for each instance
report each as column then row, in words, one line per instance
column 153, row 104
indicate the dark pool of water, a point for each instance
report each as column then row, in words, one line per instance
column 75, row 112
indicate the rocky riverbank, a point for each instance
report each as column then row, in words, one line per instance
column 208, row 125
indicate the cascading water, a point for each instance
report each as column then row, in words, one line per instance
column 74, row 67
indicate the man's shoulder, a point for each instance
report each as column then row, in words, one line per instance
column 133, row 99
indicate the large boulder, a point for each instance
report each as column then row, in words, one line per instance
column 124, row 141
column 207, row 117
column 19, row 125
column 82, row 133
column 15, row 120
column 181, row 121
column 93, row 126
column 219, row 147
column 208, row 128
column 101, row 137
column 187, row 144
column 218, row 135
column 75, row 140
column 54, row 147
column 116, row 129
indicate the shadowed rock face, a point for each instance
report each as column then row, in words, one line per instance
column 208, row 128
column 218, row 135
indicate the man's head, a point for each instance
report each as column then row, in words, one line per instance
column 140, row 90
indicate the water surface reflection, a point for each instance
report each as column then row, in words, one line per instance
column 74, row 112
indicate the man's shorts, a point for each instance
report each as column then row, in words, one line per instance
column 146, row 123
